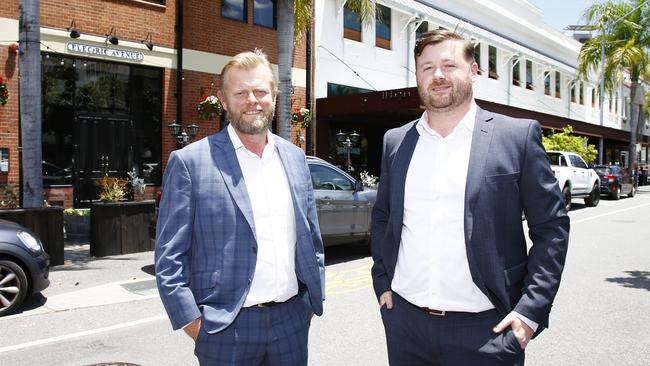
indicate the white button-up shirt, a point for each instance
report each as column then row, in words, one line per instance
column 432, row 268
column 275, row 225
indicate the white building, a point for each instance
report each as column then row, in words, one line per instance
column 525, row 64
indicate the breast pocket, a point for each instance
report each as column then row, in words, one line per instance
column 499, row 178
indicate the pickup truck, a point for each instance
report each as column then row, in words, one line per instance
column 575, row 178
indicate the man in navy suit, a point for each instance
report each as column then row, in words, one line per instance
column 239, row 256
column 455, row 282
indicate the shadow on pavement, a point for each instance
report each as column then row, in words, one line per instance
column 637, row 279
column 345, row 253
column 149, row 269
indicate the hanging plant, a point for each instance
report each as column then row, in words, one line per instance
column 4, row 92
column 209, row 108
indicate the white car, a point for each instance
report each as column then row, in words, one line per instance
column 575, row 178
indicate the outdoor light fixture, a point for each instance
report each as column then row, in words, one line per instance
column 148, row 41
column 112, row 37
column 182, row 137
column 74, row 33
column 348, row 141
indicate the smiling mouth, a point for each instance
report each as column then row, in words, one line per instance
column 252, row 112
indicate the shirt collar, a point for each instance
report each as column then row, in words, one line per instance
column 237, row 144
column 467, row 122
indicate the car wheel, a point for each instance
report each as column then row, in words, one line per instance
column 632, row 192
column 616, row 195
column 594, row 196
column 566, row 193
column 13, row 286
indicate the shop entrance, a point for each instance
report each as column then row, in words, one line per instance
column 103, row 146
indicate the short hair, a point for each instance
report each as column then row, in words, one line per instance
column 246, row 61
column 440, row 35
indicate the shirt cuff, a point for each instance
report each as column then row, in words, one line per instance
column 528, row 322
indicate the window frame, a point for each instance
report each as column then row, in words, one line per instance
column 351, row 33
column 244, row 18
column 275, row 15
column 381, row 41
column 493, row 73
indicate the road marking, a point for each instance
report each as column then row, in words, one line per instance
column 608, row 214
column 350, row 280
column 81, row 334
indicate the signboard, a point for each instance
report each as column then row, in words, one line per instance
column 116, row 53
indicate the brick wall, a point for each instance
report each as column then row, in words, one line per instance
column 9, row 118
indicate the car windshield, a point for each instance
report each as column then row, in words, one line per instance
column 556, row 159
column 602, row 170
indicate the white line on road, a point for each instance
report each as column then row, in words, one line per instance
column 607, row 214
column 81, row 334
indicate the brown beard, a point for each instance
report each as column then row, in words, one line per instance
column 461, row 92
column 255, row 127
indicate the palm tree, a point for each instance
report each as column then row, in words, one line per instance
column 290, row 31
column 624, row 31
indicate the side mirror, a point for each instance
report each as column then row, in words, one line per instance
column 358, row 186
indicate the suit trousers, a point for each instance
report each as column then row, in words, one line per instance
column 265, row 336
column 415, row 337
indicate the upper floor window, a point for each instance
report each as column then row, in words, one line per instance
column 529, row 75
column 382, row 26
column 423, row 28
column 492, row 62
column 351, row 24
column 234, row 9
column 558, row 84
column 611, row 101
column 477, row 57
column 515, row 73
column 547, row 83
column 594, row 101
column 616, row 104
column 573, row 93
column 264, row 13
column 581, row 93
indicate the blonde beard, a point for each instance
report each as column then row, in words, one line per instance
column 255, row 127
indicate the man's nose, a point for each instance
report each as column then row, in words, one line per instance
column 437, row 73
column 251, row 98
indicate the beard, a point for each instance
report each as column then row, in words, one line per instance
column 257, row 126
column 460, row 93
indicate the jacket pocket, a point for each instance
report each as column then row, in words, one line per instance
column 496, row 178
column 203, row 280
column 516, row 273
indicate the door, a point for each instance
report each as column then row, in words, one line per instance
column 580, row 173
column 103, row 146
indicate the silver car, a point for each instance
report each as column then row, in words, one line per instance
column 343, row 204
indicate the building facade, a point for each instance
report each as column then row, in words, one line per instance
column 111, row 86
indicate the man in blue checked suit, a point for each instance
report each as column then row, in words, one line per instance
column 239, row 256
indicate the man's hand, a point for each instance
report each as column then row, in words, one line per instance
column 386, row 298
column 521, row 330
column 193, row 328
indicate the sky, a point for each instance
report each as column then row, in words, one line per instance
column 560, row 13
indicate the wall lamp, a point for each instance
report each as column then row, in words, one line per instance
column 182, row 137
column 112, row 37
column 74, row 33
column 148, row 41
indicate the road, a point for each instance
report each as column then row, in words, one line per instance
column 103, row 311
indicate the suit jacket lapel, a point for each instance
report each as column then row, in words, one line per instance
column 290, row 167
column 400, row 166
column 226, row 161
column 481, row 139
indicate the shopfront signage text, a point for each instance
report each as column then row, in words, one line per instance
column 105, row 51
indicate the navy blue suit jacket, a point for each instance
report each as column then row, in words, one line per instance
column 509, row 172
column 205, row 237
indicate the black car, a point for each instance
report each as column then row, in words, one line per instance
column 24, row 266
column 615, row 180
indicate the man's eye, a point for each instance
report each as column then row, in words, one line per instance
column 260, row 93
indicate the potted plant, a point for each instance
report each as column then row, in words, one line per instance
column 137, row 185
column 4, row 92
column 209, row 107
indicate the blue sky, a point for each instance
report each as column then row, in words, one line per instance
column 560, row 13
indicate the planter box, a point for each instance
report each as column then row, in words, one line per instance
column 120, row 227
column 77, row 228
column 46, row 222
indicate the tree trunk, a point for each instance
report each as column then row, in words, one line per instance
column 636, row 122
column 285, row 64
column 30, row 103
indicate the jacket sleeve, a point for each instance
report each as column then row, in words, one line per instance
column 314, row 228
column 379, row 222
column 548, row 225
column 174, row 244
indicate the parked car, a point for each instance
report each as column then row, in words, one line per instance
column 343, row 204
column 24, row 266
column 615, row 180
column 575, row 178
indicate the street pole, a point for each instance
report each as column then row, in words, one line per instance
column 602, row 91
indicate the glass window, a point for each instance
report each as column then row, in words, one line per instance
column 547, row 83
column 423, row 28
column 338, row 89
column 529, row 75
column 351, row 24
column 328, row 179
column 616, row 104
column 573, row 93
column 492, row 62
column 234, row 9
column 558, row 83
column 382, row 26
column 515, row 73
column 264, row 13
column 594, row 101
column 581, row 91
column 477, row 57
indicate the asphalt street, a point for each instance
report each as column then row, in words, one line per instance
column 107, row 310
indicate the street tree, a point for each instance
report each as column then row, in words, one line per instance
column 566, row 141
column 624, row 31
column 291, row 29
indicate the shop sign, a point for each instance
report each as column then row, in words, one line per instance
column 104, row 51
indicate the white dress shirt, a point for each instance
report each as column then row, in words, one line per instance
column 275, row 225
column 432, row 268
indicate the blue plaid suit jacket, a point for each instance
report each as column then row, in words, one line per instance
column 205, row 237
